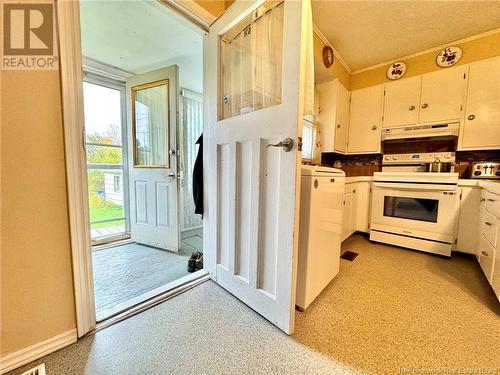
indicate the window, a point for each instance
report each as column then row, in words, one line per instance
column 251, row 58
column 116, row 184
column 151, row 124
column 308, row 140
column 106, row 161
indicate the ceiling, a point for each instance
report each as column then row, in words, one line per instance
column 139, row 36
column 367, row 33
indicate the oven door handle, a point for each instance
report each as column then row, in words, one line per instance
column 415, row 187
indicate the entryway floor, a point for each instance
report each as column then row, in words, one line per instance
column 124, row 272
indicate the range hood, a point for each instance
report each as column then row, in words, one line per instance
column 421, row 131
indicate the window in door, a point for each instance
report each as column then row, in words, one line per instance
column 150, row 116
column 251, row 55
column 106, row 169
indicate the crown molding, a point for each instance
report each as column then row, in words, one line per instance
column 335, row 52
column 433, row 49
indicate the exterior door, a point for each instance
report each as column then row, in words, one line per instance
column 254, row 72
column 402, row 100
column 152, row 124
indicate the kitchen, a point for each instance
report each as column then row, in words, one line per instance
column 418, row 140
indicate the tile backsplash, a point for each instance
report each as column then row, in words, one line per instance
column 354, row 165
column 366, row 165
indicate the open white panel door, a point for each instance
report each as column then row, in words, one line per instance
column 254, row 72
column 152, row 141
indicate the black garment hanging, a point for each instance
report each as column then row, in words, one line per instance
column 198, row 178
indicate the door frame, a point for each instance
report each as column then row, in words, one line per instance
column 71, row 76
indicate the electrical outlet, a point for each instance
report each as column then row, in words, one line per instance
column 38, row 370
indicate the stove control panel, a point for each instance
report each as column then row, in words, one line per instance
column 486, row 170
column 431, row 157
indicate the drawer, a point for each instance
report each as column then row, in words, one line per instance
column 489, row 227
column 486, row 257
column 492, row 203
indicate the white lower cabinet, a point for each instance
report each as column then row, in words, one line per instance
column 467, row 230
column 347, row 221
column 489, row 252
column 486, row 257
column 356, row 208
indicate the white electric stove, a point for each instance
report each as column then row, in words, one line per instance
column 413, row 208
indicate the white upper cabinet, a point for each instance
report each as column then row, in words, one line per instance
column 443, row 95
column 402, row 102
column 365, row 120
column 481, row 129
column 342, row 118
column 333, row 116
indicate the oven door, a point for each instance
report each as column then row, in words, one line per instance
column 422, row 213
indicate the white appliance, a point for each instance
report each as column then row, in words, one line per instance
column 414, row 209
column 320, row 230
column 421, row 131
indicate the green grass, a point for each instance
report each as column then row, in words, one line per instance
column 110, row 211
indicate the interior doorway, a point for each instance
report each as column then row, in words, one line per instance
column 143, row 106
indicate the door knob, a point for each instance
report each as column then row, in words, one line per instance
column 286, row 144
column 411, row 108
column 425, row 105
column 471, row 117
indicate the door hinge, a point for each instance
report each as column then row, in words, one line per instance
column 299, row 144
column 465, row 75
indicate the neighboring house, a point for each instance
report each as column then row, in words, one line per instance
column 113, row 188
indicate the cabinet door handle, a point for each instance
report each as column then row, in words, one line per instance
column 411, row 108
column 338, row 126
column 374, row 127
column 425, row 105
column 488, row 223
column 471, row 117
column 484, row 253
column 491, row 200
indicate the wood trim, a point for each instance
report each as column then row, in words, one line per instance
column 134, row 90
column 152, row 298
column 68, row 19
column 36, row 351
column 193, row 12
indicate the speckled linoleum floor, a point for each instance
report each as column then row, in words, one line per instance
column 390, row 311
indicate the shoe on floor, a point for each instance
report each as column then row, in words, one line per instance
column 192, row 262
column 199, row 262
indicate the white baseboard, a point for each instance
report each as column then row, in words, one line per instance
column 191, row 231
column 38, row 350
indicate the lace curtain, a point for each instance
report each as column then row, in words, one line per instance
column 251, row 62
column 191, row 108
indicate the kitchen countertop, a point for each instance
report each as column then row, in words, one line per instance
column 491, row 186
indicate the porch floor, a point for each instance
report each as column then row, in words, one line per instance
column 127, row 271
